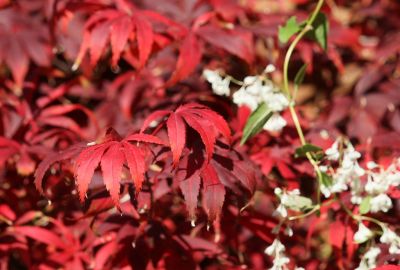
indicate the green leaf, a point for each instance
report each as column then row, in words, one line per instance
column 320, row 30
column 298, row 79
column 298, row 203
column 256, row 122
column 326, row 180
column 365, row 205
column 288, row 30
column 307, row 148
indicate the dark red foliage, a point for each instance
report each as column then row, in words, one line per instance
column 112, row 144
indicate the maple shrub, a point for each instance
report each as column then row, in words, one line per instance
column 209, row 134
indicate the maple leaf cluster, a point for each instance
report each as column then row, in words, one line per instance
column 116, row 154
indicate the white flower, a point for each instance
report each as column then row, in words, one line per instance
column 372, row 165
column 392, row 239
column 363, row 234
column 275, row 248
column 368, row 261
column 211, row 75
column 280, row 262
column 269, row 68
column 382, row 202
column 332, row 153
column 276, row 101
column 280, row 211
column 241, row 97
column 219, row 86
column 275, row 123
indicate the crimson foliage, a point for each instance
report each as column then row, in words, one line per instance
column 115, row 154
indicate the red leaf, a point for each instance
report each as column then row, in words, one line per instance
column 207, row 136
column 120, row 32
column 190, row 188
column 177, row 136
column 153, row 117
column 388, row 267
column 144, row 34
column 236, row 42
column 98, row 41
column 189, row 58
column 111, row 167
column 41, row 235
column 141, row 137
column 213, row 193
column 51, row 159
column 86, row 163
column 136, row 164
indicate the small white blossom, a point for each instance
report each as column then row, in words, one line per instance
column 368, row 261
column 382, row 202
column 275, row 248
column 392, row 239
column 241, row 97
column 332, row 153
column 276, row 102
column 275, row 123
column 280, row 262
column 280, row 211
column 269, row 68
column 363, row 234
column 220, row 86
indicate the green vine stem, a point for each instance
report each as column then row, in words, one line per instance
column 286, row 90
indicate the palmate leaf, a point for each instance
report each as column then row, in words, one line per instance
column 121, row 26
column 111, row 154
column 200, row 118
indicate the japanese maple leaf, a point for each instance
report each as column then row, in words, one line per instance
column 119, row 27
column 21, row 40
column 111, row 154
column 200, row 118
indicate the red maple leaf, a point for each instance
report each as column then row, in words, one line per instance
column 121, row 26
column 111, row 154
column 200, row 118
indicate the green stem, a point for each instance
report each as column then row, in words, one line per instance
column 286, row 90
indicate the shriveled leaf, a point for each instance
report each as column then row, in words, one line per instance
column 290, row 28
column 256, row 122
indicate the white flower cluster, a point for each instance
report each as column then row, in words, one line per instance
column 368, row 261
column 254, row 91
column 350, row 174
column 277, row 251
column 219, row 86
column 286, row 197
column 389, row 237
